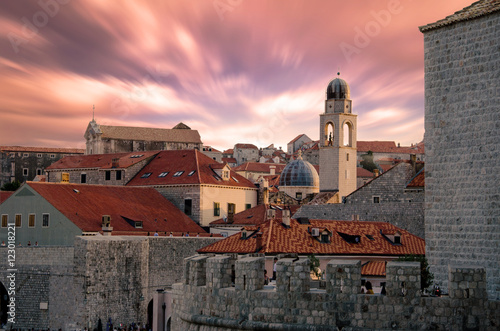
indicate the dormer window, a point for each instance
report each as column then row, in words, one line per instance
column 225, row 174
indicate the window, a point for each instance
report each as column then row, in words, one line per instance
column 146, row 175
column 5, row 220
column 376, row 199
column 188, row 206
column 163, row 174
column 39, row 155
column 325, row 238
column 216, row 209
column 31, row 220
column 18, row 220
column 25, row 171
column 138, row 224
column 25, row 155
column 119, row 175
column 231, row 208
column 65, row 177
column 38, row 172
column 237, row 181
column 178, row 173
column 45, row 220
column 191, row 173
column 248, row 205
column 298, row 195
column 52, row 156
column 347, row 157
column 225, row 174
column 397, row 240
column 108, row 175
column 83, row 178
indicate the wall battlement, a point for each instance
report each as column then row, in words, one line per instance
column 221, row 292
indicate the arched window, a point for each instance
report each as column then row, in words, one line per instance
column 329, row 134
column 347, row 128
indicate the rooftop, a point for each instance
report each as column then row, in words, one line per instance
column 180, row 133
column 41, row 149
column 256, row 215
column 102, row 161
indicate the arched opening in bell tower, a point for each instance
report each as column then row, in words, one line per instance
column 347, row 130
column 329, row 134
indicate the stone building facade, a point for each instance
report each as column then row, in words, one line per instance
column 245, row 153
column 386, row 198
column 462, row 122
column 98, row 278
column 25, row 163
column 292, row 304
column 104, row 139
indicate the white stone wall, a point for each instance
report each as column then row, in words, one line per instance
column 462, row 141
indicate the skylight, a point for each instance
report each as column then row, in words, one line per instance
column 163, row 174
column 237, row 181
column 136, row 156
column 191, row 173
column 146, row 175
column 217, row 177
column 178, row 173
column 369, row 236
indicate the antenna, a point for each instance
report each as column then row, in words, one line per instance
column 93, row 108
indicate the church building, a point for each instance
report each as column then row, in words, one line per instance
column 105, row 139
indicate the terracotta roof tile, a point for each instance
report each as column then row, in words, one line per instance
column 166, row 167
column 362, row 172
column 101, row 161
column 296, row 138
column 418, row 180
column 373, row 268
column 276, row 239
column 388, row 147
column 260, row 167
column 477, row 9
column 41, row 149
column 229, row 160
column 4, row 195
column 85, row 204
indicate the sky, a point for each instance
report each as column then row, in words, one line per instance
column 238, row 71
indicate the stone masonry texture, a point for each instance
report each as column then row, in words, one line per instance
column 462, row 142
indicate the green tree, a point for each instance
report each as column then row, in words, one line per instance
column 367, row 162
column 11, row 186
column 426, row 277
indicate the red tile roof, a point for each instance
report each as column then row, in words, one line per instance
column 276, row 239
column 418, row 180
column 245, row 146
column 296, row 138
column 41, row 149
column 260, row 167
column 4, row 195
column 373, row 268
column 388, row 147
column 477, row 9
column 229, row 160
column 102, row 161
column 195, row 166
column 228, row 151
column 85, row 204
column 273, row 181
column 255, row 215
column 362, row 172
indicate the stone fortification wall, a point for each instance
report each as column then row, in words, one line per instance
column 462, row 142
column 402, row 208
column 207, row 300
column 99, row 277
column 44, row 294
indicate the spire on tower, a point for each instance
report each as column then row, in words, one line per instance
column 93, row 108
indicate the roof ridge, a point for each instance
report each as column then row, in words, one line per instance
column 197, row 166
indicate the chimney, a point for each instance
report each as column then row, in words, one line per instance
column 258, row 241
column 355, row 218
column 272, row 170
column 106, row 225
column 271, row 214
column 375, row 173
column 114, row 163
column 285, row 217
column 399, row 145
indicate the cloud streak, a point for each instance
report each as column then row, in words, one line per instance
column 253, row 71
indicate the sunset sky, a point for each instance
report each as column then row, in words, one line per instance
column 238, row 71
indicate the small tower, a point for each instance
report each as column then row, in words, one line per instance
column 337, row 134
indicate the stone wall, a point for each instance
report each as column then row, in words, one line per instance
column 400, row 207
column 99, row 277
column 462, row 141
column 206, row 300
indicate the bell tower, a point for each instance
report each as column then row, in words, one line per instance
column 337, row 146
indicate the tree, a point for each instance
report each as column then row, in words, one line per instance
column 367, row 162
column 426, row 277
column 11, row 186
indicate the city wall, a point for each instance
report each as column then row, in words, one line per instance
column 212, row 298
column 102, row 277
